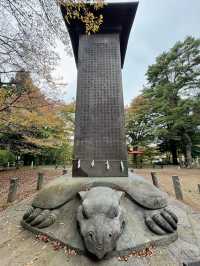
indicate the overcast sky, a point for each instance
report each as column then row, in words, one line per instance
column 158, row 25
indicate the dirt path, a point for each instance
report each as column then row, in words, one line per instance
column 27, row 181
column 190, row 178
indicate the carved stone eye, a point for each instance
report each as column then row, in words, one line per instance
column 84, row 214
column 114, row 213
column 90, row 235
column 110, row 235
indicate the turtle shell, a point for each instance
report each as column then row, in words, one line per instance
column 65, row 189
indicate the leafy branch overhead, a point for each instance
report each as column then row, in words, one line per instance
column 84, row 11
column 30, row 31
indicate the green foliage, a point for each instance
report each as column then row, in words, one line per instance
column 64, row 154
column 172, row 112
column 138, row 122
column 37, row 128
column 150, row 153
column 174, row 89
column 5, row 157
column 59, row 156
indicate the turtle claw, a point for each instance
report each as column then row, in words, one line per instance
column 33, row 215
column 28, row 212
column 161, row 222
column 48, row 221
column 40, row 218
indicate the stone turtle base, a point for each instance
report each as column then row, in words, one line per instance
column 136, row 236
column 18, row 247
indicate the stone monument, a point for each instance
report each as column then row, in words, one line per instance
column 99, row 146
column 100, row 211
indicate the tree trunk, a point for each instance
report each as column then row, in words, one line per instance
column 174, row 152
column 188, row 150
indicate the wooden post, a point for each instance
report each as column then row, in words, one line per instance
column 177, row 187
column 64, row 171
column 13, row 189
column 40, row 180
column 199, row 187
column 155, row 179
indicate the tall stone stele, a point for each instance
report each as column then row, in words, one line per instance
column 99, row 144
column 114, row 215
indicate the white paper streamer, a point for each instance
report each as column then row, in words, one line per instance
column 79, row 164
column 107, row 165
column 92, row 163
column 122, row 166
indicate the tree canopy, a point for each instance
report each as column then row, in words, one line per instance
column 139, row 122
column 30, row 31
column 30, row 123
column 172, row 98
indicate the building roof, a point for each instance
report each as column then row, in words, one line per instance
column 117, row 17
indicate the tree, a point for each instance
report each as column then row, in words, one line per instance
column 139, row 122
column 12, row 91
column 30, row 123
column 173, row 90
column 6, row 158
column 30, row 30
column 139, row 129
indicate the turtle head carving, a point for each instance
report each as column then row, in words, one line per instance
column 100, row 219
column 100, row 214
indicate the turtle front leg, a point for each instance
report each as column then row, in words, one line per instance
column 40, row 218
column 161, row 221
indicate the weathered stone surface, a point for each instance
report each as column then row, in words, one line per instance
column 63, row 190
column 135, row 236
column 40, row 181
column 13, row 189
column 19, row 248
column 155, row 179
column 101, row 220
column 141, row 202
column 177, row 187
column 99, row 122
